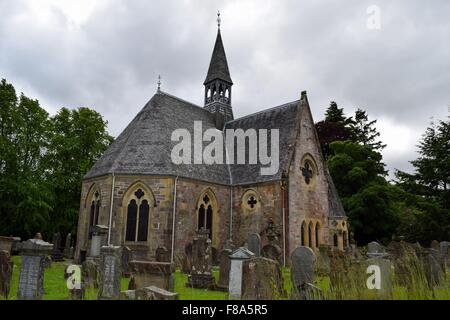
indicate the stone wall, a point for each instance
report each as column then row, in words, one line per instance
column 308, row 202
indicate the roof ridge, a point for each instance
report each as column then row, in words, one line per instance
column 182, row 100
column 263, row 111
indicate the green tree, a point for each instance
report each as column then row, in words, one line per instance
column 78, row 138
column 429, row 186
column 364, row 131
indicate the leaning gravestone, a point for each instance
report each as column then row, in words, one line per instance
column 224, row 270
column 238, row 257
column 302, row 271
column 31, row 279
column 152, row 273
column 110, row 273
column 6, row 267
column 262, row 279
column 201, row 276
column 254, row 244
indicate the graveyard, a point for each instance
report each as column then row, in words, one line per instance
column 399, row 271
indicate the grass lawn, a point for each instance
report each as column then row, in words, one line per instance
column 56, row 289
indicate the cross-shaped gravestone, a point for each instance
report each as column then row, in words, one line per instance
column 307, row 173
column 252, row 202
column 139, row 194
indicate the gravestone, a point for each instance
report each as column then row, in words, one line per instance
column 68, row 249
column 224, row 270
column 56, row 253
column 127, row 256
column 262, row 279
column 272, row 251
column 152, row 273
column 99, row 239
column 302, row 271
column 374, row 249
column 236, row 271
column 162, row 255
column 128, row 295
column 6, row 244
column 38, row 236
column 444, row 247
column 6, row 268
column 31, row 279
column 254, row 244
column 155, row 293
column 110, row 273
column 323, row 264
column 14, row 248
column 383, row 268
column 201, row 272
column 90, row 273
column 435, row 245
column 434, row 268
column 187, row 259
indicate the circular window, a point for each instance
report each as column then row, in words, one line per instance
column 308, row 170
column 251, row 200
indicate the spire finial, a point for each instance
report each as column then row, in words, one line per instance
column 159, row 83
column 218, row 19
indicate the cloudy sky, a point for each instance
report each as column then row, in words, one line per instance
column 107, row 54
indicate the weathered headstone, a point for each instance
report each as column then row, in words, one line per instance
column 31, row 279
column 128, row 295
column 68, row 249
column 272, row 251
column 380, row 273
column 201, row 274
column 14, row 248
column 187, row 259
column 127, row 256
column 445, row 253
column 110, row 273
column 90, row 273
column 57, row 254
column 224, row 270
column 262, row 279
column 6, row 268
column 152, row 273
column 434, row 268
column 162, row 254
column 302, row 271
column 323, row 264
column 254, row 244
column 155, row 293
column 236, row 271
column 6, row 244
column 374, row 249
column 99, row 239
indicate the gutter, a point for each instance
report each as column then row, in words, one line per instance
column 173, row 219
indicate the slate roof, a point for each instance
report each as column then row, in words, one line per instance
column 218, row 67
column 285, row 119
column 145, row 146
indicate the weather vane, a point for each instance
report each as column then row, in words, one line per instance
column 159, row 83
column 218, row 19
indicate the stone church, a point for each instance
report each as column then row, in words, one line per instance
column 147, row 202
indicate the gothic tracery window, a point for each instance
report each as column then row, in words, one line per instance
column 308, row 169
column 94, row 212
column 138, row 213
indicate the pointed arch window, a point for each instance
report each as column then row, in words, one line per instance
column 138, row 215
column 335, row 240
column 206, row 214
column 310, row 235
column 303, row 234
column 317, row 234
column 94, row 212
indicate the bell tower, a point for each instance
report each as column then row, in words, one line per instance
column 218, row 82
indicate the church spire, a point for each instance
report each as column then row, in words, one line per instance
column 218, row 81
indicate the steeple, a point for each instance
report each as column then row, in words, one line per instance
column 218, row 81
